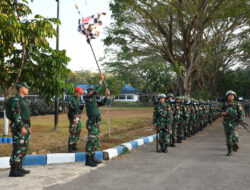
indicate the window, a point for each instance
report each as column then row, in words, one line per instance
column 122, row 97
column 130, row 97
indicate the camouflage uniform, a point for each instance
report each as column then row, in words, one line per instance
column 94, row 121
column 182, row 127
column 162, row 119
column 231, row 127
column 175, row 124
column 21, row 111
column 75, row 123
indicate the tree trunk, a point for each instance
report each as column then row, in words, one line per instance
column 6, row 121
column 180, row 86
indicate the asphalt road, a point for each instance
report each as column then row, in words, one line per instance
column 198, row 163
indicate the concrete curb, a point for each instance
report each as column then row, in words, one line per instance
column 44, row 159
column 110, row 153
column 58, row 158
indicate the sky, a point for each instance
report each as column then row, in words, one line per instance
column 70, row 39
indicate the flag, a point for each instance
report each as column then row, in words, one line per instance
column 90, row 26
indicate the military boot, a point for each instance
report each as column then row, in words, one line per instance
column 14, row 172
column 162, row 147
column 96, row 160
column 21, row 169
column 229, row 148
column 235, row 147
column 75, row 147
column 70, row 149
column 165, row 148
column 173, row 143
column 90, row 161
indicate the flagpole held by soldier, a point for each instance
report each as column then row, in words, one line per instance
column 19, row 113
column 74, row 115
column 94, row 121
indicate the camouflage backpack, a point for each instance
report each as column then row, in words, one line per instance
column 7, row 107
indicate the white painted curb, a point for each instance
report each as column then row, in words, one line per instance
column 139, row 141
column 110, row 153
column 60, row 158
column 151, row 139
column 128, row 146
column 4, row 162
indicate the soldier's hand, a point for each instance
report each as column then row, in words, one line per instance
column 223, row 113
column 30, row 130
column 24, row 131
column 101, row 78
column 107, row 93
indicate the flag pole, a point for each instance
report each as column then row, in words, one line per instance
column 88, row 40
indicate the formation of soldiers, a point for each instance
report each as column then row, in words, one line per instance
column 177, row 118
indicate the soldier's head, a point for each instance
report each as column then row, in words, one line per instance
column 231, row 95
column 178, row 99
column 170, row 96
column 162, row 98
column 22, row 88
column 78, row 92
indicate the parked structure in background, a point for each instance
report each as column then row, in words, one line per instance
column 128, row 94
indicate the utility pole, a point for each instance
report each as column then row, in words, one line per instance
column 57, row 48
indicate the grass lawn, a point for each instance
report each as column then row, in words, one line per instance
column 126, row 124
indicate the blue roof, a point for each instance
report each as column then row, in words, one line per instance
column 129, row 89
column 85, row 86
column 126, row 90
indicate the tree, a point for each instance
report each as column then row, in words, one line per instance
column 173, row 30
column 25, row 54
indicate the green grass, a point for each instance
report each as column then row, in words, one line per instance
column 125, row 123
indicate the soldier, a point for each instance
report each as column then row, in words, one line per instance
column 176, row 118
column 74, row 116
column 93, row 122
column 229, row 110
column 246, row 108
column 20, row 129
column 162, row 119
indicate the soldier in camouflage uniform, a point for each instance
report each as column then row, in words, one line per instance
column 231, row 127
column 93, row 122
column 74, row 116
column 176, row 118
column 162, row 120
column 20, row 128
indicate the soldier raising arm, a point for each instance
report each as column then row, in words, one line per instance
column 93, row 122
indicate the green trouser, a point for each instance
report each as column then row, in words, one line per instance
column 232, row 133
column 181, row 128
column 175, row 127
column 75, row 126
column 20, row 144
column 93, row 127
column 164, row 134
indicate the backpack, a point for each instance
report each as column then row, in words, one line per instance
column 7, row 107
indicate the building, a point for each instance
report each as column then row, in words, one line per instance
column 128, row 94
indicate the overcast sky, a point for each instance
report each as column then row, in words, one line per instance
column 70, row 39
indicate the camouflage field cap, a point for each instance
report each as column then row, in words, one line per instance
column 24, row 84
column 178, row 97
column 170, row 95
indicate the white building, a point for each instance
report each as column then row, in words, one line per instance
column 128, row 94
